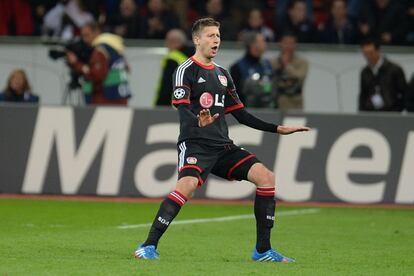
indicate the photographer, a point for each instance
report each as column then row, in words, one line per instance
column 106, row 72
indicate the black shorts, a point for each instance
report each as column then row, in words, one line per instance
column 228, row 161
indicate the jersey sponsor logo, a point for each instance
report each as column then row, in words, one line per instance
column 223, row 80
column 191, row 160
column 217, row 100
column 206, row 100
column 179, row 93
column 201, row 80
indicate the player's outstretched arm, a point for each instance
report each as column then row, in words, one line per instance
column 285, row 130
column 244, row 117
column 205, row 118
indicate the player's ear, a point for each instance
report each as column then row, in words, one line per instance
column 196, row 40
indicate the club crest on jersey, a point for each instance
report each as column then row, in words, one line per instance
column 206, row 100
column 179, row 93
column 223, row 80
column 191, row 160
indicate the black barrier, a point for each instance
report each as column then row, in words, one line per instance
column 125, row 152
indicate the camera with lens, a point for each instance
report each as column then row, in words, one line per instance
column 80, row 49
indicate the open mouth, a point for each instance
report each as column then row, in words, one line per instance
column 214, row 48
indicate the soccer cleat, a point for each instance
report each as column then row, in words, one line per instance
column 270, row 255
column 147, row 252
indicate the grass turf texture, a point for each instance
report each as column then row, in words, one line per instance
column 68, row 237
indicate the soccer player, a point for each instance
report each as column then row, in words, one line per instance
column 203, row 93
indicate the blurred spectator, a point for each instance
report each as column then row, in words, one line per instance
column 383, row 20
column 244, row 6
column 290, row 71
column 323, row 21
column 339, row 29
column 128, row 23
column 410, row 95
column 159, row 19
column 255, row 23
column 64, row 19
column 297, row 23
column 252, row 74
column 178, row 52
column 183, row 10
column 382, row 83
column 239, row 10
column 409, row 38
column 320, row 11
column 18, row 89
column 111, row 6
column 106, row 73
column 228, row 29
column 15, row 17
column 95, row 7
column 354, row 9
column 39, row 10
column 282, row 11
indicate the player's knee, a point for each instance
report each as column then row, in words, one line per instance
column 187, row 185
column 269, row 179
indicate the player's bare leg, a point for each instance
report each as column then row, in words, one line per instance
column 261, row 176
column 264, row 211
column 187, row 185
column 168, row 210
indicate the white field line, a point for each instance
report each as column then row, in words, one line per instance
column 228, row 218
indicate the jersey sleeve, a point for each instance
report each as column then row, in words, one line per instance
column 232, row 101
column 182, row 81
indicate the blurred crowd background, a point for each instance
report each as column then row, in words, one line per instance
column 93, row 33
column 312, row 21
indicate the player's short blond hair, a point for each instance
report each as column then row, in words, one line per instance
column 203, row 22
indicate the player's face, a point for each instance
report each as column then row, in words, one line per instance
column 208, row 41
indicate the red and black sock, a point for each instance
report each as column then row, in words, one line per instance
column 166, row 213
column 264, row 211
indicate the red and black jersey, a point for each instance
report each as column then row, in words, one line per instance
column 197, row 87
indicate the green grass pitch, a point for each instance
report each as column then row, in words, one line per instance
column 46, row 237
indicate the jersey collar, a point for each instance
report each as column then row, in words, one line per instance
column 208, row 67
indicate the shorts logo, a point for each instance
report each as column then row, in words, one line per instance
column 223, row 80
column 191, row 160
column 179, row 93
column 206, row 100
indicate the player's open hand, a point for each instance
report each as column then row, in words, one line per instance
column 284, row 130
column 205, row 118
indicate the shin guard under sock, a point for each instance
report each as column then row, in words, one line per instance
column 167, row 212
column 264, row 211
